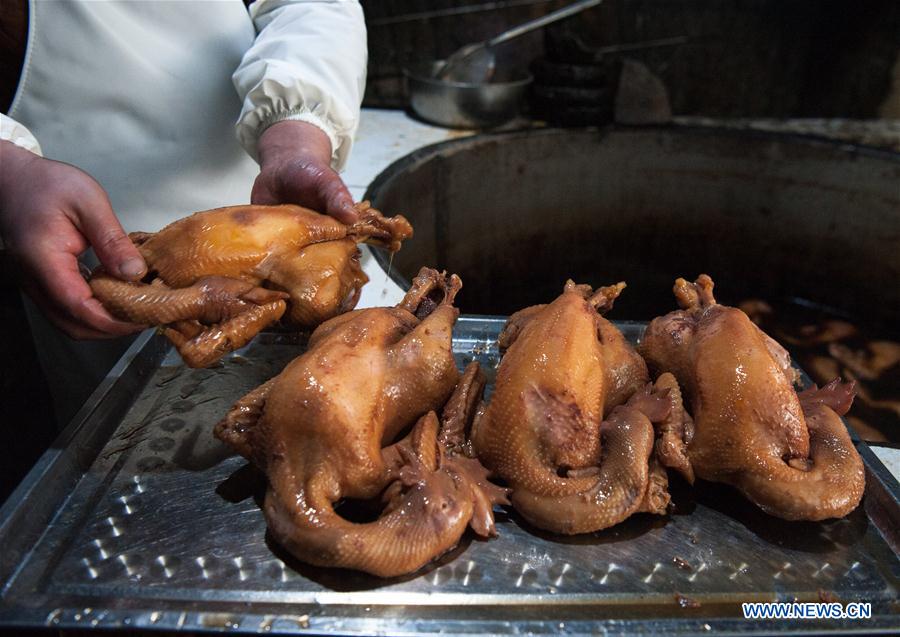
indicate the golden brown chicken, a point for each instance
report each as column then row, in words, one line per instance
column 566, row 367
column 788, row 453
column 218, row 277
column 322, row 431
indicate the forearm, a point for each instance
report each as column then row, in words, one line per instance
column 308, row 64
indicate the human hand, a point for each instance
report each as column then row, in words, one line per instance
column 295, row 167
column 51, row 212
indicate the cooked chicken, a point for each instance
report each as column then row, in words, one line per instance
column 564, row 369
column 220, row 276
column 322, row 431
column 788, row 453
column 676, row 431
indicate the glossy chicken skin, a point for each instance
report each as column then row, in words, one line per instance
column 788, row 453
column 321, row 430
column 566, row 367
column 216, row 278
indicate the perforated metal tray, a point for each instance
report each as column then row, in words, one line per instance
column 139, row 518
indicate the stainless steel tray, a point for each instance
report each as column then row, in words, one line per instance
column 139, row 518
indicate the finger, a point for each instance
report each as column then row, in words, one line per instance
column 91, row 312
column 338, row 201
column 60, row 318
column 98, row 223
column 72, row 329
column 322, row 188
column 62, row 286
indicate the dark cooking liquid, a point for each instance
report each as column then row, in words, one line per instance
column 827, row 345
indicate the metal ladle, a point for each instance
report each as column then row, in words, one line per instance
column 475, row 63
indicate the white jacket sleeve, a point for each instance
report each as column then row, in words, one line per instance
column 13, row 131
column 308, row 63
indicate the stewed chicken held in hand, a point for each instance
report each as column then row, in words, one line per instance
column 324, row 429
column 565, row 369
column 218, row 277
column 789, row 453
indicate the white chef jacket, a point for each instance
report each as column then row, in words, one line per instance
column 139, row 93
column 145, row 96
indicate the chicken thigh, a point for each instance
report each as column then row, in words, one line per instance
column 218, row 277
column 323, row 429
column 789, row 453
column 566, row 367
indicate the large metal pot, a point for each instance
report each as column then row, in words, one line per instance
column 766, row 215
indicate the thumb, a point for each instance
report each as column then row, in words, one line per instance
column 99, row 225
column 261, row 194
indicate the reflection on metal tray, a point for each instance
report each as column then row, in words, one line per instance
column 139, row 518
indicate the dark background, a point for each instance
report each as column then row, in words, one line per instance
column 746, row 58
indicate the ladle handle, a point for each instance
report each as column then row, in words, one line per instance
column 565, row 12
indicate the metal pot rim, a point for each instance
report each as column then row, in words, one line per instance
column 431, row 151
